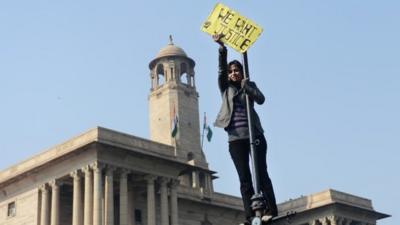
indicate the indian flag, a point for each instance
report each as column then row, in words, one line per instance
column 174, row 121
column 207, row 128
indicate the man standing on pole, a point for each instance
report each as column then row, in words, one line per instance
column 233, row 118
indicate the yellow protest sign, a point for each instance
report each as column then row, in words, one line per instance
column 239, row 32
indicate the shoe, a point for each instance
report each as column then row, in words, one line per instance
column 266, row 218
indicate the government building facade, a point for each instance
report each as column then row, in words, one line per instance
column 105, row 177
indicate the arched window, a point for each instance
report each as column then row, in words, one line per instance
column 202, row 180
column 160, row 75
column 184, row 76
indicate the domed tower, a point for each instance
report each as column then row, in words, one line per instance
column 173, row 93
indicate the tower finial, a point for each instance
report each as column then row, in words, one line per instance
column 170, row 40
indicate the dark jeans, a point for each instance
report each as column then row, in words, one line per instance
column 240, row 153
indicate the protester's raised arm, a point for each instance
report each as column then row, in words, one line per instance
column 222, row 63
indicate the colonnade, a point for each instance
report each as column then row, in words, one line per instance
column 337, row 220
column 91, row 211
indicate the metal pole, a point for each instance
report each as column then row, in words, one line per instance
column 251, row 131
column 258, row 204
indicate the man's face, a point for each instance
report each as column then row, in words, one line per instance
column 234, row 73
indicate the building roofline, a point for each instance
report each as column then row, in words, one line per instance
column 50, row 154
column 94, row 135
column 326, row 198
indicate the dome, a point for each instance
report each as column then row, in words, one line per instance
column 171, row 50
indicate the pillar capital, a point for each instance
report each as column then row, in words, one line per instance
column 174, row 183
column 87, row 169
column 110, row 170
column 124, row 171
column 335, row 220
column 55, row 183
column 97, row 166
column 323, row 221
column 75, row 174
column 163, row 181
column 43, row 187
column 150, row 178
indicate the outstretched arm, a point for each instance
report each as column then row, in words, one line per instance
column 222, row 63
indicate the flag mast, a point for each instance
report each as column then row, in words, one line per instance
column 204, row 127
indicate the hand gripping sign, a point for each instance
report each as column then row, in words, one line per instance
column 239, row 32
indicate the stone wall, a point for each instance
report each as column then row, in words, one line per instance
column 26, row 205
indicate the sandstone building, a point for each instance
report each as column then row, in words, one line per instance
column 105, row 177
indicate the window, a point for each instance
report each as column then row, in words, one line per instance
column 138, row 216
column 202, row 179
column 11, row 211
column 190, row 156
column 185, row 78
column 160, row 75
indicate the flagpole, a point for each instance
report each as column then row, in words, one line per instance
column 174, row 130
column 202, row 135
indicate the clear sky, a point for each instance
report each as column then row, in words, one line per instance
column 330, row 71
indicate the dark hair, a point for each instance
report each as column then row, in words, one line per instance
column 236, row 63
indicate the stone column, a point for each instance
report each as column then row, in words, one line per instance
column 195, row 179
column 77, row 199
column 131, row 205
column 174, row 201
column 206, row 184
column 88, row 202
column 335, row 220
column 123, row 197
column 97, row 194
column 210, row 182
column 55, row 203
column 44, row 214
column 324, row 221
column 151, row 201
column 164, row 201
column 109, row 204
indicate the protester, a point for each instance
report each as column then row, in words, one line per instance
column 233, row 118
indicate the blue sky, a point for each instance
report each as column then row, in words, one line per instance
column 330, row 71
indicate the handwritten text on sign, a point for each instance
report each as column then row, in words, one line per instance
column 239, row 32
